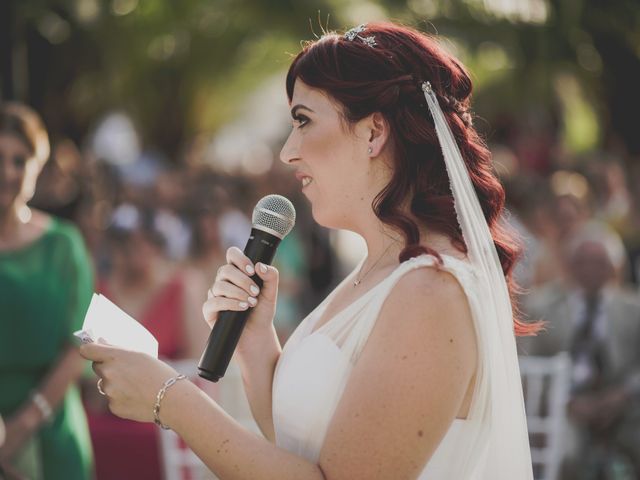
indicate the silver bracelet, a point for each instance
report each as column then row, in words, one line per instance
column 40, row 401
column 160, row 396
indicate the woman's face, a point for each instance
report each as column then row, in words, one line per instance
column 331, row 160
column 18, row 171
column 135, row 255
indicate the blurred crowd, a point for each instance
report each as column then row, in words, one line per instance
column 153, row 222
column 157, row 230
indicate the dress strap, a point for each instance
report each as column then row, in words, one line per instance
column 350, row 332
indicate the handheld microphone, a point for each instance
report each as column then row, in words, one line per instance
column 273, row 218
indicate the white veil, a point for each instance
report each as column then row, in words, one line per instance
column 501, row 406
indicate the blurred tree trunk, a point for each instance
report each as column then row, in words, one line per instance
column 621, row 90
column 6, row 48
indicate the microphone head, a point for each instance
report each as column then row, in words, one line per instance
column 274, row 214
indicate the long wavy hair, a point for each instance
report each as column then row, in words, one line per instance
column 386, row 78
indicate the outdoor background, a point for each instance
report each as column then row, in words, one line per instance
column 177, row 110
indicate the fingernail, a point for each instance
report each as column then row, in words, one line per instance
column 252, row 301
column 263, row 268
column 243, row 304
column 249, row 269
column 255, row 290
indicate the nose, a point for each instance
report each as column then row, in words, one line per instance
column 290, row 149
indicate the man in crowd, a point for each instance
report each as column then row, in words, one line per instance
column 594, row 319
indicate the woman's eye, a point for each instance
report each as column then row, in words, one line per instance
column 19, row 160
column 300, row 121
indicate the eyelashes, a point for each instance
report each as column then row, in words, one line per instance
column 300, row 121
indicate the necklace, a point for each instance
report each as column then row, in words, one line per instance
column 359, row 279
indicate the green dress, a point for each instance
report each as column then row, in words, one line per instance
column 45, row 289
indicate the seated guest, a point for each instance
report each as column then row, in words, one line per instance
column 594, row 319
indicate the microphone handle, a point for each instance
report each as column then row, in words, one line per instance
column 261, row 247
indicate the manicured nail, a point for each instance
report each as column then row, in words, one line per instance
column 255, row 290
column 263, row 268
column 252, row 301
column 249, row 269
column 243, row 304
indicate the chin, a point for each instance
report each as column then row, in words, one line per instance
column 329, row 218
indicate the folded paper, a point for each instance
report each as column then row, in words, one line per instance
column 106, row 320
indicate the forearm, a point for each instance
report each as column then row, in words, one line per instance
column 258, row 366
column 229, row 450
column 66, row 371
column 53, row 388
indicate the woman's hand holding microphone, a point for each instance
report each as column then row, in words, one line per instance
column 235, row 290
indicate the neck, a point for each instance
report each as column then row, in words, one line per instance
column 383, row 248
column 385, row 244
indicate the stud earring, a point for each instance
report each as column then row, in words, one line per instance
column 370, row 150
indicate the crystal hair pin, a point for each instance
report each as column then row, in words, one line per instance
column 355, row 32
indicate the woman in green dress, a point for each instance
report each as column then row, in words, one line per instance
column 46, row 282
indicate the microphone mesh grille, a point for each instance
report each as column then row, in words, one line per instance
column 276, row 213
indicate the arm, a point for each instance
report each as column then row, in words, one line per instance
column 258, row 367
column 226, row 448
column 423, row 338
column 28, row 419
column 257, row 364
column 259, row 349
column 131, row 381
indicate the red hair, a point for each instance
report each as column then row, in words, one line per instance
column 386, row 78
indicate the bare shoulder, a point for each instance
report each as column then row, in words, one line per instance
column 428, row 285
column 428, row 312
column 425, row 298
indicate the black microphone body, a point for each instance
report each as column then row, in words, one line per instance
column 261, row 247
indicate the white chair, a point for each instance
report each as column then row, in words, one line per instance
column 180, row 463
column 546, row 382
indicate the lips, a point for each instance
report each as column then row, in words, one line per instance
column 304, row 178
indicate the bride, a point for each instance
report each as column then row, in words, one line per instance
column 409, row 368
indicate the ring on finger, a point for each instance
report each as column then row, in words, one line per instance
column 99, row 385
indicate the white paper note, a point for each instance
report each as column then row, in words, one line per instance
column 106, row 320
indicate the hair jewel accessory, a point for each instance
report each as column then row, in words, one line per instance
column 355, row 32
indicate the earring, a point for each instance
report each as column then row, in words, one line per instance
column 370, row 150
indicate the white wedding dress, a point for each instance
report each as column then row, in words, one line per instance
column 315, row 366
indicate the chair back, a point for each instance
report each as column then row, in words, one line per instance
column 545, row 382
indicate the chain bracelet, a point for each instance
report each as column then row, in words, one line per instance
column 160, row 396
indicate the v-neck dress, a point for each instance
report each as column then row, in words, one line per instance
column 315, row 366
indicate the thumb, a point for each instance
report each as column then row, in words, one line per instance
column 97, row 352
column 269, row 276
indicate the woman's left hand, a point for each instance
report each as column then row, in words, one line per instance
column 131, row 380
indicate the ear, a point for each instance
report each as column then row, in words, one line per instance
column 378, row 134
